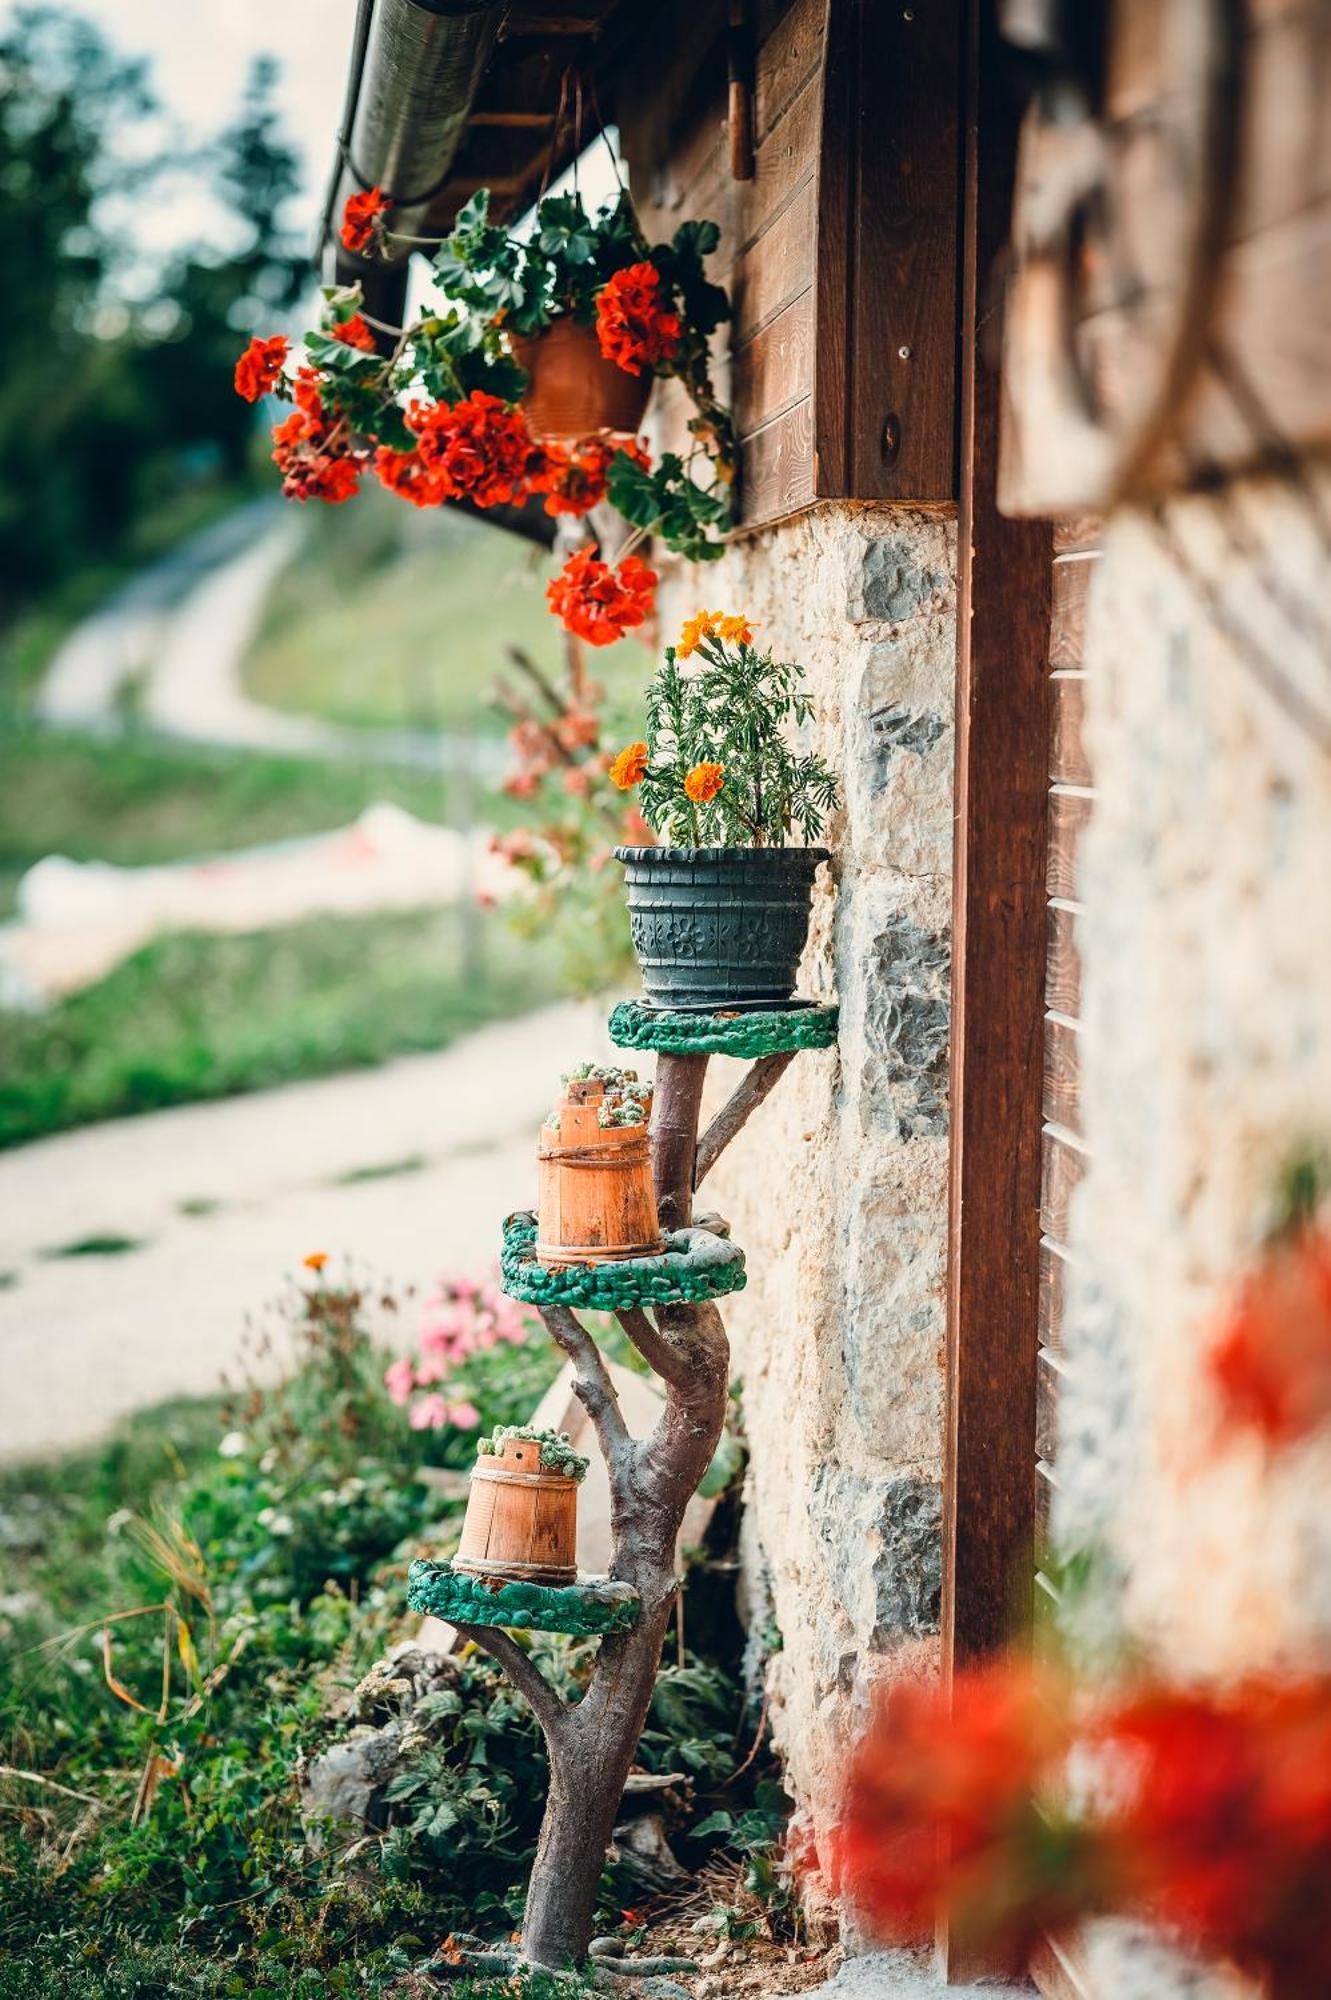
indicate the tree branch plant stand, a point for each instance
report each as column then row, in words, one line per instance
column 666, row 1305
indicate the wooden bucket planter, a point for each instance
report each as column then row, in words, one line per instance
column 521, row 1522
column 574, row 392
column 597, row 1195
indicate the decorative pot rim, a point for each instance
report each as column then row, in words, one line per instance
column 693, row 855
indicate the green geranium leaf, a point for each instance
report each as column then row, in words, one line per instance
column 695, row 239
column 335, row 357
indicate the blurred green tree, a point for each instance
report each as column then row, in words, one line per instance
column 70, row 402
column 220, row 299
column 109, row 406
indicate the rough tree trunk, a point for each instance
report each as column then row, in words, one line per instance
column 652, row 1480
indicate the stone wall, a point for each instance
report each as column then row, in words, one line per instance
column 838, row 1188
column 1206, row 879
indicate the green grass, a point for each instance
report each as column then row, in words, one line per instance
column 388, row 616
column 137, row 800
column 95, row 1246
column 191, row 1017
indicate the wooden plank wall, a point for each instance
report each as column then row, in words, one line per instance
column 839, row 253
column 1063, row 1142
column 675, row 139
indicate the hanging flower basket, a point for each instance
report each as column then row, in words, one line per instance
column 597, row 1196
column 522, row 1510
column 525, row 378
column 720, row 923
column 574, row 392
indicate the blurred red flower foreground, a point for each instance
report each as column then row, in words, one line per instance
column 1270, row 1363
column 1207, row 1812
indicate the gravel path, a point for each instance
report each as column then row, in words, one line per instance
column 180, row 632
column 223, row 1200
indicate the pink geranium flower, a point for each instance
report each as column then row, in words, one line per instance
column 400, row 1380
column 429, row 1414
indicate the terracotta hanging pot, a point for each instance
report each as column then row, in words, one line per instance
column 522, row 1521
column 574, row 392
column 597, row 1197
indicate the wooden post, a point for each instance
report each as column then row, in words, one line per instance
column 1002, row 728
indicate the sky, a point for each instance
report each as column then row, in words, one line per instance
column 200, row 53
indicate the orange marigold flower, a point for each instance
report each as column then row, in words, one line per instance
column 361, row 224
column 1270, row 1363
column 712, row 625
column 315, row 1261
column 355, row 332
column 704, row 781
column 629, row 766
column 632, row 324
column 479, row 449
column 694, row 630
column 259, row 367
column 600, row 604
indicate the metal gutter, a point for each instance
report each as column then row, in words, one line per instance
column 416, row 66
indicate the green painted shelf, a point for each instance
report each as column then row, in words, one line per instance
column 780, row 1031
column 697, row 1264
column 593, row 1604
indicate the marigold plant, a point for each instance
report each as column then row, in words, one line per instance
column 716, row 768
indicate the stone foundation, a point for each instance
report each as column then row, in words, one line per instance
column 838, row 1188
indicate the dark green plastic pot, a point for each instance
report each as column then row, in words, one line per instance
column 719, row 927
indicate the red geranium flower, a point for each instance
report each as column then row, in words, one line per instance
column 574, row 482
column 632, row 323
column 479, row 449
column 943, row 1814
column 406, row 474
column 354, row 332
column 1270, row 1363
column 598, row 603
column 312, row 454
column 1223, row 1825
column 361, row 225
column 260, row 366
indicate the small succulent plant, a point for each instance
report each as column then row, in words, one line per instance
column 627, row 1100
column 557, row 1453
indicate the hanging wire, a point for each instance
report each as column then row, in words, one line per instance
column 601, row 126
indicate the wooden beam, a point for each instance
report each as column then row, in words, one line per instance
column 514, row 120
column 885, row 382
column 1002, row 772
